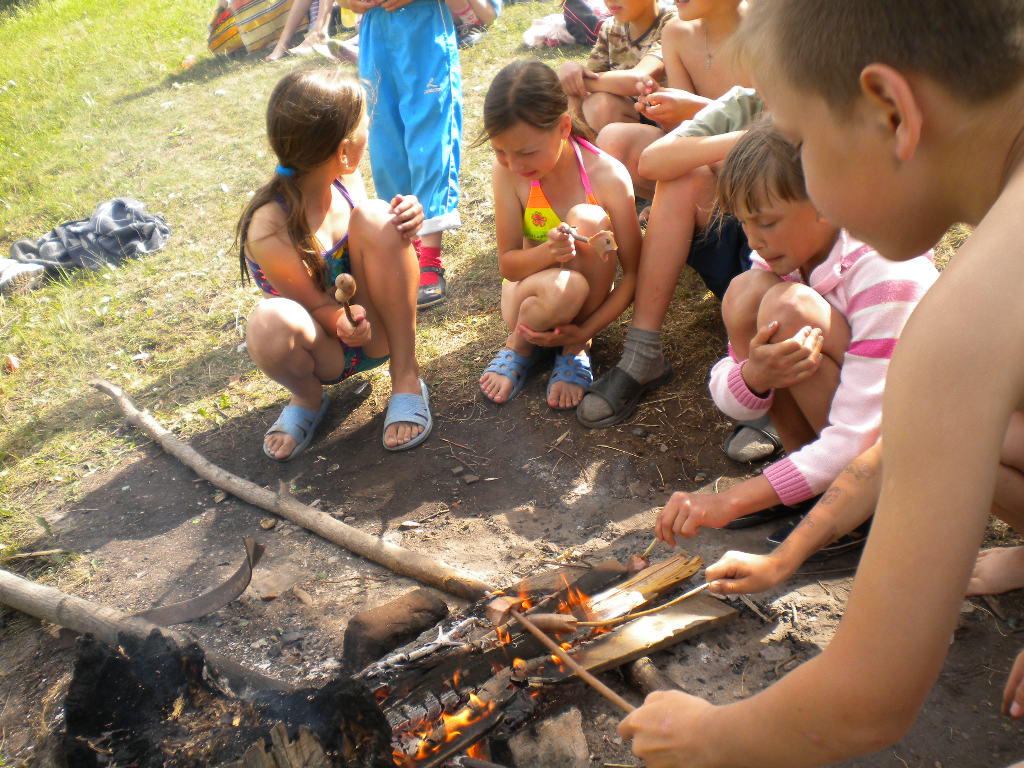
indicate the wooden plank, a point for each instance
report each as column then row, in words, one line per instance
column 641, row 589
column 648, row 634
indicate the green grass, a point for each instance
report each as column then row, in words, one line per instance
column 95, row 104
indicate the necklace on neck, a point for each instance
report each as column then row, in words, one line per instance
column 708, row 55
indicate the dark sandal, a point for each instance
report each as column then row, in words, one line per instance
column 772, row 513
column 850, row 542
column 622, row 393
column 429, row 295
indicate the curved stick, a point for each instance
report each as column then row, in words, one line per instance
column 398, row 559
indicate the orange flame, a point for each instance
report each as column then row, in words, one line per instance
column 504, row 636
column 477, row 751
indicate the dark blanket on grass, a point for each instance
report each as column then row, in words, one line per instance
column 118, row 229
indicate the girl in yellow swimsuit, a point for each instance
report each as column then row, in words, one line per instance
column 552, row 191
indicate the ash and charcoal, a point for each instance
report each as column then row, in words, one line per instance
column 150, row 704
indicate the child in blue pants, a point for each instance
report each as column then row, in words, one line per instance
column 408, row 56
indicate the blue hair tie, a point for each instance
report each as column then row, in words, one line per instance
column 284, row 170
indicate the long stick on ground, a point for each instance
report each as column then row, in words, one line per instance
column 583, row 674
column 404, row 561
column 50, row 604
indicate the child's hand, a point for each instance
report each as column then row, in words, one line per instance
column 354, row 334
column 686, row 513
column 563, row 336
column 408, row 215
column 393, row 5
column 1013, row 694
column 782, row 364
column 672, row 106
column 362, row 6
column 669, row 730
column 572, row 75
column 745, row 573
column 561, row 246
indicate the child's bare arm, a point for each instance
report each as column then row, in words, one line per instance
column 847, row 503
column 863, row 692
column 625, row 82
column 671, row 156
column 268, row 245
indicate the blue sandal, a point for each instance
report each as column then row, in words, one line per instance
column 300, row 424
column 512, row 365
column 410, row 408
column 574, row 369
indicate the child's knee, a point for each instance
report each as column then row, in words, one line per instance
column 556, row 301
column 588, row 219
column 373, row 218
column 744, row 295
column 602, row 108
column 792, row 306
column 275, row 323
column 616, row 139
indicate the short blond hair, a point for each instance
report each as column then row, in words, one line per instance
column 761, row 168
column 974, row 49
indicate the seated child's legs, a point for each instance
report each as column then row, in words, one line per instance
column 387, row 278
column 600, row 108
column 626, row 142
column 680, row 206
column 540, row 302
column 1001, row 569
column 598, row 269
column 290, row 347
column 795, row 306
column 740, row 305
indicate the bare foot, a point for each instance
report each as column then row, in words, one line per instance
column 565, row 394
column 274, row 55
column 997, row 570
column 401, row 432
column 496, row 387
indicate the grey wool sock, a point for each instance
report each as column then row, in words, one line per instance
column 642, row 357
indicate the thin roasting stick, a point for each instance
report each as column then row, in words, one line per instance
column 588, row 678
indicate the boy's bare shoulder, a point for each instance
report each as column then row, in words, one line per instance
column 679, row 30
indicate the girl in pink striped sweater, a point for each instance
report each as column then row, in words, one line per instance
column 811, row 327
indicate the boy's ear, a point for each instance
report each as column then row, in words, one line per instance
column 892, row 103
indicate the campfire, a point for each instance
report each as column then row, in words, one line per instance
column 435, row 701
column 438, row 700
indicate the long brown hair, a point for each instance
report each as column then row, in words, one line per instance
column 309, row 114
column 527, row 91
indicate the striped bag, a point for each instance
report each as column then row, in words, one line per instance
column 259, row 22
column 223, row 36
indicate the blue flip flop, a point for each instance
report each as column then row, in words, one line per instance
column 415, row 409
column 574, row 369
column 512, row 365
column 300, row 423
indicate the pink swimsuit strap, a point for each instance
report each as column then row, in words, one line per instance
column 576, row 143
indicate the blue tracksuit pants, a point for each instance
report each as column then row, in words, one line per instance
column 409, row 60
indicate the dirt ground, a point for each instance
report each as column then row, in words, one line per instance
column 152, row 532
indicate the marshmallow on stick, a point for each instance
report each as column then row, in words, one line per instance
column 344, row 290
